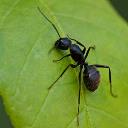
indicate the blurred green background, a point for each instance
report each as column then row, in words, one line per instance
column 120, row 6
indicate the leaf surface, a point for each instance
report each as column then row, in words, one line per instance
column 27, row 70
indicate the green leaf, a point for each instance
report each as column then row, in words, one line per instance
column 27, row 70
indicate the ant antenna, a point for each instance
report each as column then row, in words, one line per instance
column 49, row 21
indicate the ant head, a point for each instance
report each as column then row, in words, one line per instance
column 63, row 43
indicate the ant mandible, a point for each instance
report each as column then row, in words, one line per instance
column 91, row 76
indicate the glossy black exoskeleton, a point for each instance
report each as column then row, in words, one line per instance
column 91, row 76
column 63, row 43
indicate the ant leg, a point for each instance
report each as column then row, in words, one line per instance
column 79, row 95
column 70, row 65
column 92, row 47
column 110, row 80
column 79, row 44
column 62, row 58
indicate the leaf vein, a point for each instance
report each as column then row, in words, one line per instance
column 25, row 61
column 83, row 20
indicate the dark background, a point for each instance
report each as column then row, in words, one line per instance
column 120, row 6
column 4, row 119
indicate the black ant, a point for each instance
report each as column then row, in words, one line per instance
column 91, row 76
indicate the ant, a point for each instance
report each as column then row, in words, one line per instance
column 91, row 76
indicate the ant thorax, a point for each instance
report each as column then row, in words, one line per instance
column 77, row 54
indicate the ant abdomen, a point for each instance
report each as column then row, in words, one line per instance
column 63, row 43
column 91, row 78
